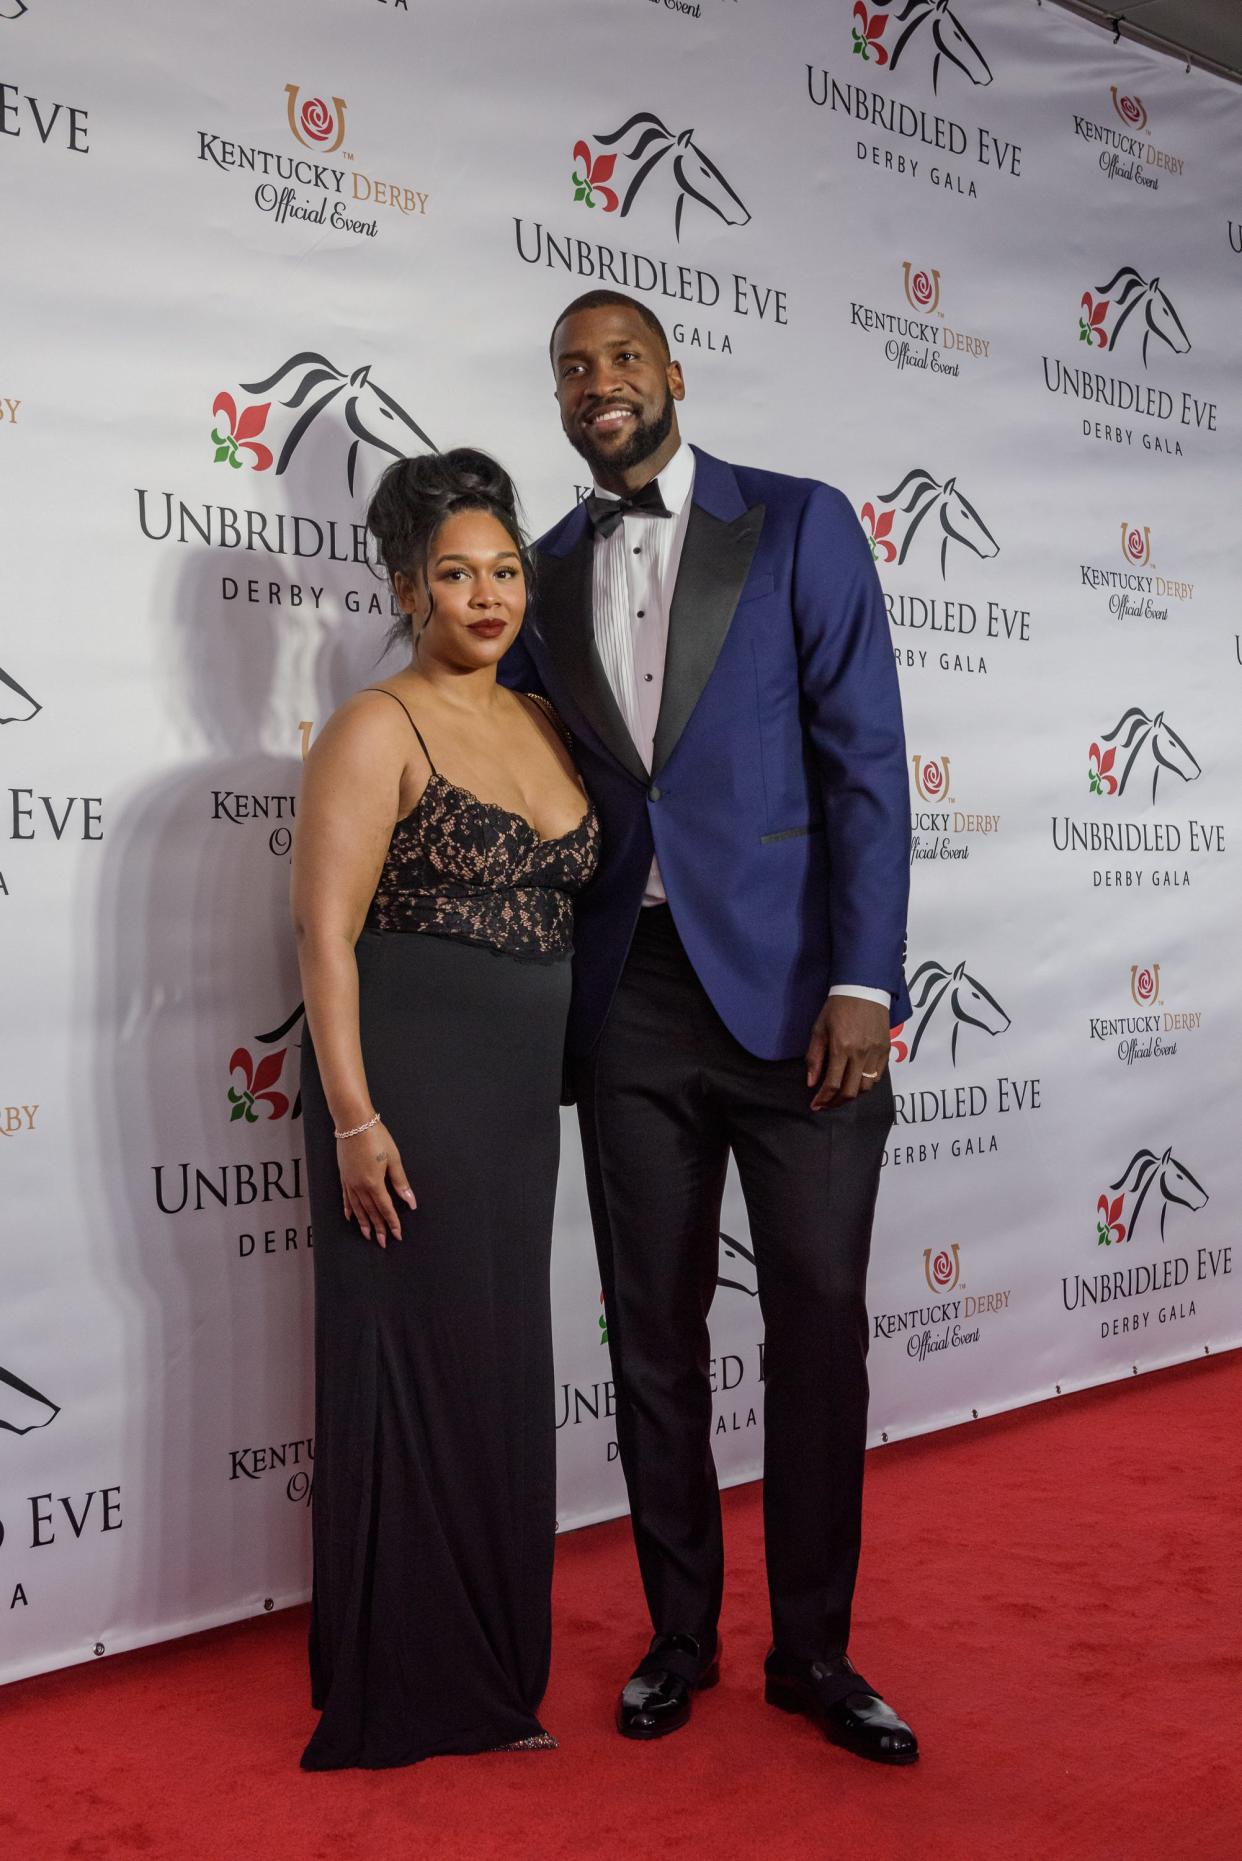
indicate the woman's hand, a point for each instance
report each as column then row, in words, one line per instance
column 368, row 1163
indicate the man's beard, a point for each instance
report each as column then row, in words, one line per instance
column 646, row 438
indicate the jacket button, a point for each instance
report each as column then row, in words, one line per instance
column 653, row 793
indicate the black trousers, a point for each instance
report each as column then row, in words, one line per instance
column 665, row 1096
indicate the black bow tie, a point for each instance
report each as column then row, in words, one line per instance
column 607, row 513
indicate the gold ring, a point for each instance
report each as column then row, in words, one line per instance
column 871, row 1075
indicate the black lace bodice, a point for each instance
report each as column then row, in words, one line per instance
column 469, row 869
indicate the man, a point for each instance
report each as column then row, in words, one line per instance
column 715, row 639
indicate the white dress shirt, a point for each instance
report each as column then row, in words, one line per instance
column 633, row 575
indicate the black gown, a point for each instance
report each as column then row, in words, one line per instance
column 434, row 1493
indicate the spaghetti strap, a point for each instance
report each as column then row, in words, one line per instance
column 385, row 693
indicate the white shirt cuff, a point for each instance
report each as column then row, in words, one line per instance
column 864, row 995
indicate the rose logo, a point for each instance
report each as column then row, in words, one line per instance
column 1144, row 983
column 315, row 123
column 1136, row 543
column 922, row 287
column 931, row 776
column 942, row 1269
column 317, row 120
column 1130, row 110
column 898, row 1049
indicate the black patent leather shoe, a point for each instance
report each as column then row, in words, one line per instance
column 656, row 1699
column 851, row 1712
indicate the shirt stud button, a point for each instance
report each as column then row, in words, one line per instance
column 647, row 677
column 642, row 613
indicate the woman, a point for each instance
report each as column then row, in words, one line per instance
column 442, row 832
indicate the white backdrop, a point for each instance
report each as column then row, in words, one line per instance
column 978, row 267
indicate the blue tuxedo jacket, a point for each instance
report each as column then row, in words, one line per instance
column 777, row 801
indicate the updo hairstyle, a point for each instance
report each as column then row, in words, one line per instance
column 414, row 497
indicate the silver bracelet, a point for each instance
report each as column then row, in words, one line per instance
column 358, row 1129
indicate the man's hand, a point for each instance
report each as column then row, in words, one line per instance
column 848, row 1049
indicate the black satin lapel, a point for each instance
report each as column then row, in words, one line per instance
column 715, row 561
column 567, row 624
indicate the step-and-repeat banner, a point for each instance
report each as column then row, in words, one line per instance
column 967, row 260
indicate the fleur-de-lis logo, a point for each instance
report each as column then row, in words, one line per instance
column 258, row 1087
column 1109, row 1226
column 239, row 433
column 1101, row 782
column 316, row 124
column 1091, row 320
column 878, row 528
column 867, row 33
column 596, row 173
column 603, row 1323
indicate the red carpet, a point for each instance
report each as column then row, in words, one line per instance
column 1051, row 1597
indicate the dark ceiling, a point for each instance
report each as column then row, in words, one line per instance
column 1207, row 32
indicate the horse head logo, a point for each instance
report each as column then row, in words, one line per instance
column 1177, row 1188
column 16, row 704
column 957, row 519
column 12, row 9
column 1141, row 736
column 949, row 37
column 694, row 173
column 22, row 1408
column 1159, row 317
column 733, row 1250
column 281, row 1033
column 972, row 1005
column 310, row 383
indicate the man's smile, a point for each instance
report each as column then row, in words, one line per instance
column 609, row 419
